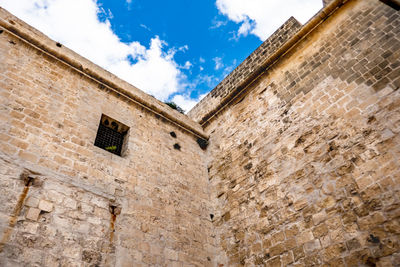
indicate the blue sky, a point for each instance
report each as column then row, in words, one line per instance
column 196, row 25
column 175, row 50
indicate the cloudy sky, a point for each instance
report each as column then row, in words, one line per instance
column 176, row 50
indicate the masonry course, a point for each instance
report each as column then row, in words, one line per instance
column 293, row 160
column 50, row 113
column 303, row 164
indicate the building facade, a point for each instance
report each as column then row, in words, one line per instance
column 292, row 160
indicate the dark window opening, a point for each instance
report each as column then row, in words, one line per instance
column 110, row 135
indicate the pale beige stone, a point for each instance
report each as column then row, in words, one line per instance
column 302, row 157
column 319, row 217
column 170, row 254
column 304, row 237
column 45, row 205
column 30, row 227
column 32, row 214
column 32, row 202
column 312, row 246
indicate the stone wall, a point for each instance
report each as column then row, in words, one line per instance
column 66, row 202
column 305, row 166
column 302, row 167
column 247, row 69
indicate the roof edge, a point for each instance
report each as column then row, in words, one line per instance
column 243, row 85
column 41, row 42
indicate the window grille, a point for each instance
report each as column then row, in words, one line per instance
column 110, row 135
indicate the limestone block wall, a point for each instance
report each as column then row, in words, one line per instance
column 248, row 68
column 305, row 166
column 66, row 202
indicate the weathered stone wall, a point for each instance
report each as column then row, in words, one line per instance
column 302, row 166
column 233, row 82
column 305, row 168
column 66, row 202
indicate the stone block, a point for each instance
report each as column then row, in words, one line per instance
column 33, row 214
column 312, row 246
column 31, row 227
column 319, row 217
column 277, row 249
column 304, row 237
column 45, row 205
column 70, row 203
column 328, row 196
column 170, row 254
column 32, row 202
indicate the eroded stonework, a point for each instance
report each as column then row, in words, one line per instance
column 302, row 166
column 66, row 202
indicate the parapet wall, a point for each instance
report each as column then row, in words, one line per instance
column 99, row 75
column 302, row 167
column 235, row 81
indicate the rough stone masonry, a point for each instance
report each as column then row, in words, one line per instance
column 302, row 166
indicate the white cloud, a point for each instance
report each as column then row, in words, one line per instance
column 209, row 80
column 187, row 65
column 218, row 63
column 202, row 60
column 184, row 101
column 145, row 27
column 263, row 17
column 218, row 23
column 75, row 24
column 245, row 28
column 183, row 48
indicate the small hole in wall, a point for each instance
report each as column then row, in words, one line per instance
column 212, row 216
column 1, row 31
column 29, row 181
column 371, row 119
column 58, row 44
column 173, row 134
column 114, row 209
column 373, row 239
column 177, row 146
column 202, row 143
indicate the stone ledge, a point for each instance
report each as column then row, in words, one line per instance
column 40, row 41
column 248, row 66
column 287, row 36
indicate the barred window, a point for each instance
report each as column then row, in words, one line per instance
column 110, row 135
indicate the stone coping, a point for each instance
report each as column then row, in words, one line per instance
column 41, row 42
column 277, row 45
